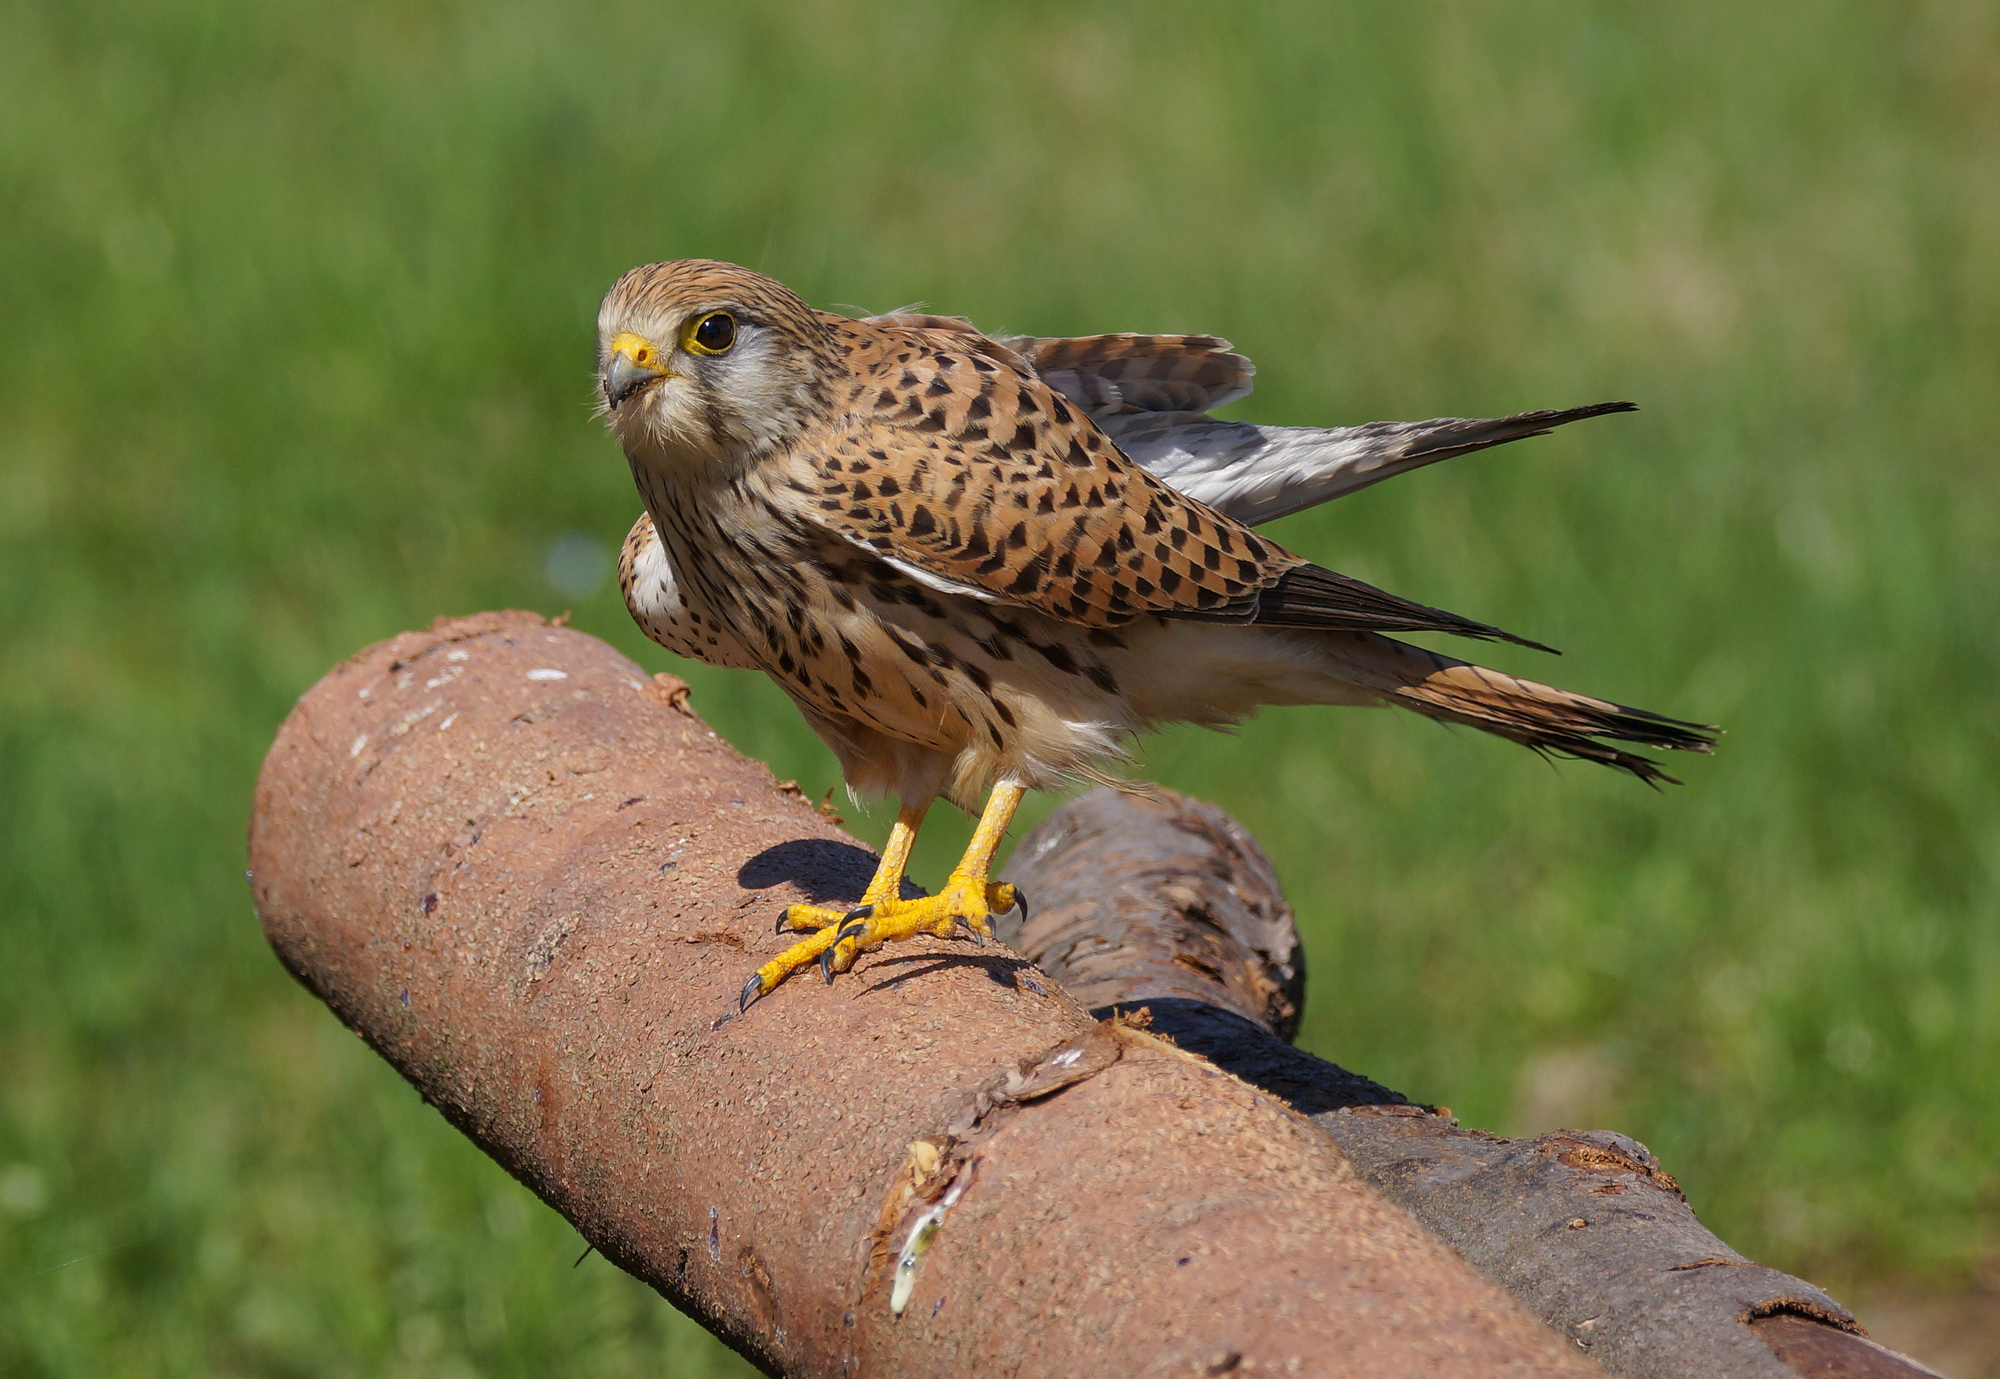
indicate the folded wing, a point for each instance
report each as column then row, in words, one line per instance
column 1259, row 473
column 1150, row 394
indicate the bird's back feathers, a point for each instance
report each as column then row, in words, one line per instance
column 982, row 475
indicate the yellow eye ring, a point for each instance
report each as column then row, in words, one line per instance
column 712, row 334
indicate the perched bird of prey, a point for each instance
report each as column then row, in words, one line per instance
column 981, row 563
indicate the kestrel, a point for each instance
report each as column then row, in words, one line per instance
column 981, row 563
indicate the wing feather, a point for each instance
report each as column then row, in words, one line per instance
column 1260, row 473
column 1122, row 374
column 950, row 460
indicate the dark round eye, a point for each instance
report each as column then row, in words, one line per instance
column 714, row 333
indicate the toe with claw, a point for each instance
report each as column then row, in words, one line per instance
column 968, row 901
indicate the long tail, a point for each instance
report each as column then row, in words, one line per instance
column 1538, row 716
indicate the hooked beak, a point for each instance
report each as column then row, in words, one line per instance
column 634, row 363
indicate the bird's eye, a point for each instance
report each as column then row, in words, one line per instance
column 714, row 333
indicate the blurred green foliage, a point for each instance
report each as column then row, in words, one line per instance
column 298, row 304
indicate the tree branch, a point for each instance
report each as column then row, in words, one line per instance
column 533, row 881
column 1165, row 903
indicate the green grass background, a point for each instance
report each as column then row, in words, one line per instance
column 295, row 349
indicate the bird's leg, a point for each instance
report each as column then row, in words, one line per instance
column 886, row 884
column 969, row 899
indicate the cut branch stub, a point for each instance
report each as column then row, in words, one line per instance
column 1584, row 1227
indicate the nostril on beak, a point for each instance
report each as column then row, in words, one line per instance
column 626, row 376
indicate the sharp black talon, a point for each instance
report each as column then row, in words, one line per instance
column 752, row 989
column 849, row 928
column 826, row 961
column 858, row 912
column 783, row 915
column 1020, row 903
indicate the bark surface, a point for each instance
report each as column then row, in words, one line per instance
column 532, row 879
column 1164, row 903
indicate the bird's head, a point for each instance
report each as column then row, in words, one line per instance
column 700, row 362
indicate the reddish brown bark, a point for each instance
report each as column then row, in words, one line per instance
column 534, row 881
column 1165, row 903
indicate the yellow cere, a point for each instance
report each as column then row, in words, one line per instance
column 640, row 351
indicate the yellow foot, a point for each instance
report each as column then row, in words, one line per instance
column 842, row 935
